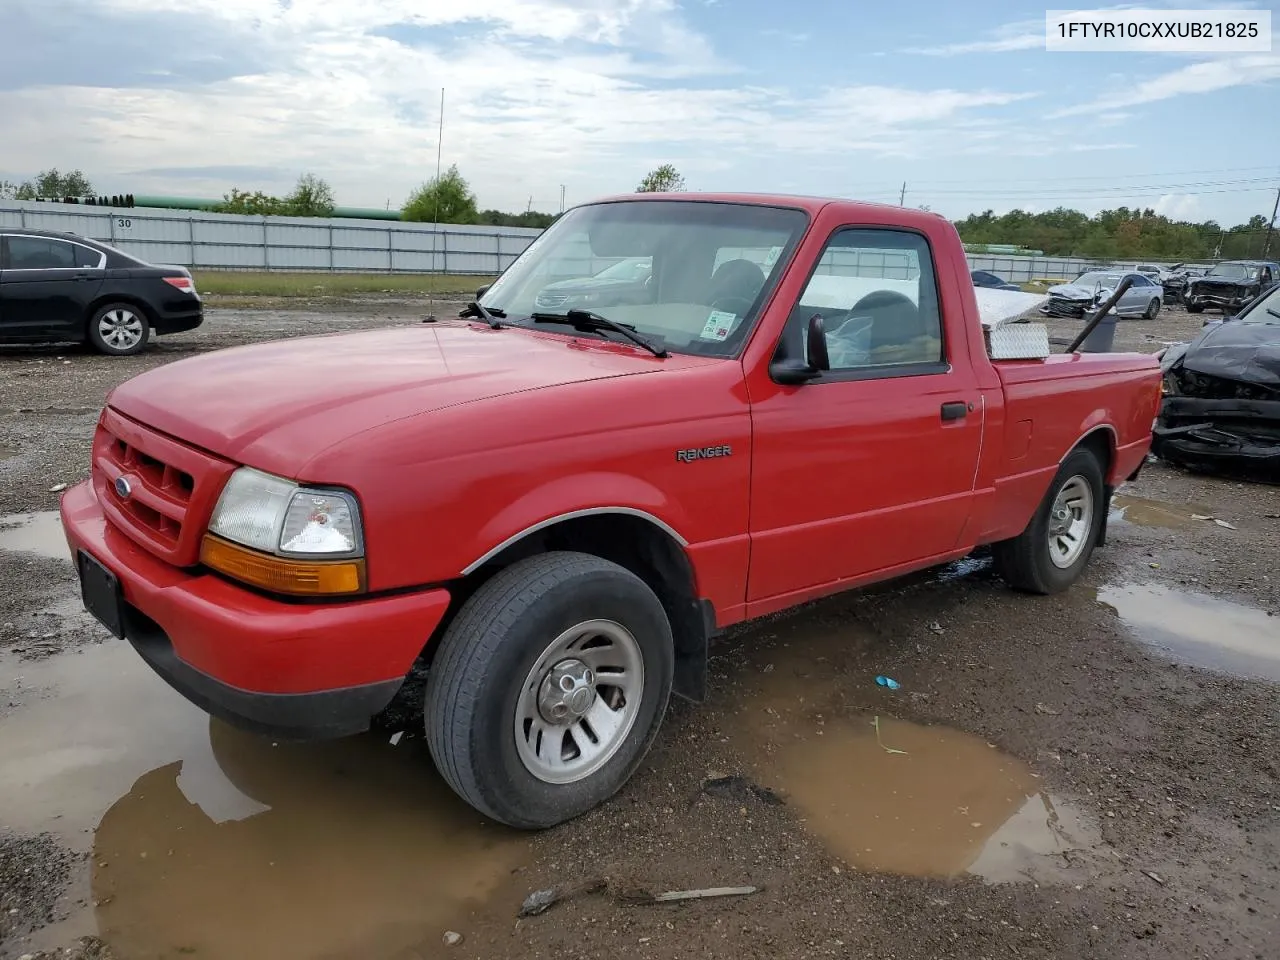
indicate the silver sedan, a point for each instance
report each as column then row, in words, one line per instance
column 1143, row 298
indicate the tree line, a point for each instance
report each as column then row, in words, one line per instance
column 1120, row 234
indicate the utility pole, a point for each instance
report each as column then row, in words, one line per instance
column 902, row 197
column 562, row 199
column 1266, row 246
column 529, row 208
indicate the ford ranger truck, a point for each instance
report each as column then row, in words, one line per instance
column 551, row 511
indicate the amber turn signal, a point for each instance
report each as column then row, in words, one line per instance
column 308, row 578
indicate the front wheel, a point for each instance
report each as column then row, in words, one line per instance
column 1193, row 307
column 1153, row 309
column 119, row 330
column 549, row 688
column 1050, row 554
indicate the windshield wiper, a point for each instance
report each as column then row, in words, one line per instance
column 491, row 317
column 587, row 320
column 1273, row 312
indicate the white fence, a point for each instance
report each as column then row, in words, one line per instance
column 223, row 241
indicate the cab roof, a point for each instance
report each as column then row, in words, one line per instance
column 809, row 204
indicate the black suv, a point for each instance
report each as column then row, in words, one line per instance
column 1230, row 285
column 62, row 287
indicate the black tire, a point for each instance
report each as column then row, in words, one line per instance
column 1024, row 561
column 1153, row 309
column 1193, row 307
column 131, row 321
column 475, row 682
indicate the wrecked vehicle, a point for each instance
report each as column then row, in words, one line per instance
column 1221, row 409
column 552, row 513
column 1144, row 298
column 1230, row 285
column 1181, row 274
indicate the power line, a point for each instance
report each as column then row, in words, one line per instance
column 1108, row 176
column 1121, row 188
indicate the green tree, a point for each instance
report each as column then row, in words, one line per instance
column 663, row 179
column 312, row 197
column 253, row 204
column 444, row 199
column 50, row 185
column 8, row 190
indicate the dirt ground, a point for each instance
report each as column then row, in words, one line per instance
column 1089, row 775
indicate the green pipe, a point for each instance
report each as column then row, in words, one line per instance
column 202, row 203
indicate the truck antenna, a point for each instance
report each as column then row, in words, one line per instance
column 431, row 293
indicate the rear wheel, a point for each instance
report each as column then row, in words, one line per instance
column 119, row 329
column 1193, row 307
column 1050, row 554
column 549, row 688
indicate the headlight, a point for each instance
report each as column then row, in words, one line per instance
column 299, row 540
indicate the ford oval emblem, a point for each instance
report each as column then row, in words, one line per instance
column 123, row 488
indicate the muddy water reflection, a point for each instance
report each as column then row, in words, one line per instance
column 38, row 533
column 361, row 850
column 206, row 839
column 898, row 797
column 1154, row 513
column 1206, row 631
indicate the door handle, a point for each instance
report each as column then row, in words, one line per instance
column 955, row 410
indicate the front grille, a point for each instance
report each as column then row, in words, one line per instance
column 1062, row 307
column 551, row 299
column 156, row 490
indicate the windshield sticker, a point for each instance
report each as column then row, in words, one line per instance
column 772, row 258
column 718, row 325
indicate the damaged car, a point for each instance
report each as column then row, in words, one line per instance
column 1221, row 406
column 1180, row 275
column 1144, row 298
column 1230, row 285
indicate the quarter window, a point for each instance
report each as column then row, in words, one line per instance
column 878, row 297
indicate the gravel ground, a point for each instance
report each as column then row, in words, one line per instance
column 1160, row 777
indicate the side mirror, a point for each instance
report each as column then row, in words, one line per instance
column 816, row 348
column 792, row 371
column 483, row 290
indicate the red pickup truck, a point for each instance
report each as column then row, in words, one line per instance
column 554, row 501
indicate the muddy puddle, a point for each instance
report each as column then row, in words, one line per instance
column 1205, row 631
column 203, row 840
column 36, row 533
column 891, row 796
column 1144, row 512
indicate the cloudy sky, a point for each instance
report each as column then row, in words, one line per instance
column 960, row 100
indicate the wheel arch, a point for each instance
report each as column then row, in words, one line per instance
column 100, row 301
column 1102, row 440
column 639, row 542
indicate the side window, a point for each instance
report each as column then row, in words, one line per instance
column 86, row 256
column 876, row 292
column 38, row 253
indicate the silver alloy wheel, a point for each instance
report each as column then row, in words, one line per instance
column 1070, row 521
column 120, row 328
column 579, row 702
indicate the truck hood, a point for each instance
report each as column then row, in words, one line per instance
column 277, row 405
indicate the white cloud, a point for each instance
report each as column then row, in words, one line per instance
column 589, row 93
column 1022, row 35
column 1207, row 76
column 1179, row 206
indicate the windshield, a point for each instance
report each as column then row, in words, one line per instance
column 1233, row 271
column 633, row 268
column 1097, row 276
column 1265, row 309
column 712, row 265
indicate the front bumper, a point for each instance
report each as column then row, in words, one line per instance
column 295, row 670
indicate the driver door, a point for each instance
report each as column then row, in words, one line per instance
column 872, row 465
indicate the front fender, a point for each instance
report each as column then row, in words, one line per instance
column 574, row 496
